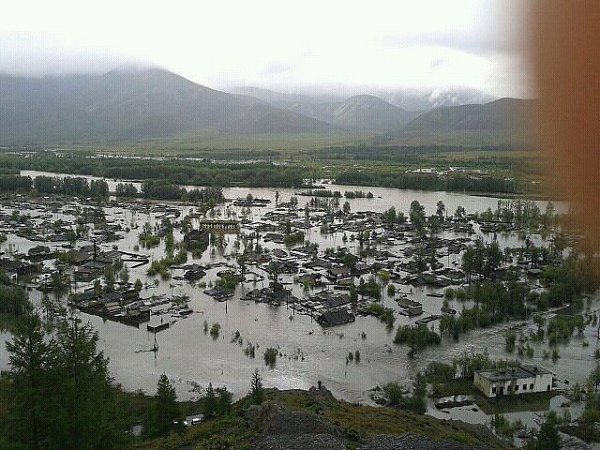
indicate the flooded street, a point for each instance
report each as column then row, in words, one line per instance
column 309, row 353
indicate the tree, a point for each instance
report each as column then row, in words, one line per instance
column 257, row 392
column 547, row 438
column 124, row 274
column 86, row 412
column 460, row 214
column 510, row 338
column 594, row 377
column 540, row 321
column 63, row 398
column 13, row 300
column 417, row 215
column 417, row 337
column 224, row 400
column 346, row 207
column 210, row 402
column 28, row 358
column 440, row 211
column 165, row 408
column 395, row 393
column 390, row 216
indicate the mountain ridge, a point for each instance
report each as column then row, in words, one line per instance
column 133, row 105
column 154, row 104
column 503, row 114
column 363, row 112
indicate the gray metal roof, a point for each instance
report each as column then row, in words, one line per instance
column 513, row 373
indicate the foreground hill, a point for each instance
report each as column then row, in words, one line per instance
column 314, row 419
column 132, row 105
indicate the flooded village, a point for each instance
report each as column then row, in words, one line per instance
column 352, row 288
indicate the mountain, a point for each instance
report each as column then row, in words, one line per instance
column 423, row 99
column 419, row 99
column 133, row 105
column 280, row 99
column 505, row 114
column 360, row 112
column 364, row 112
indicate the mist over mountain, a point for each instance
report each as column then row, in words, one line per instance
column 421, row 99
column 412, row 99
column 128, row 105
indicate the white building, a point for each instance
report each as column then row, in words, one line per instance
column 513, row 380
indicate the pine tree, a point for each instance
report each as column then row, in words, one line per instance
column 29, row 357
column 210, row 402
column 224, row 399
column 257, row 392
column 62, row 393
column 547, row 438
column 165, row 409
column 83, row 403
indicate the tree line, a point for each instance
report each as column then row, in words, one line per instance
column 259, row 174
column 429, row 182
column 199, row 173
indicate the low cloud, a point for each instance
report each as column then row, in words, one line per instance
column 40, row 56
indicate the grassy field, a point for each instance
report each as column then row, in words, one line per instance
column 286, row 144
column 382, row 159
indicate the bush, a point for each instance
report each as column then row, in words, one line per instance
column 215, row 330
column 13, row 300
column 270, row 356
column 440, row 372
column 417, row 337
column 391, row 290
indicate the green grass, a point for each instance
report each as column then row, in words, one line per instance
column 287, row 144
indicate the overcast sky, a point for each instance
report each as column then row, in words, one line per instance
column 278, row 44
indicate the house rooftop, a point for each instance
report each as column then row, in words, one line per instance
column 513, row 373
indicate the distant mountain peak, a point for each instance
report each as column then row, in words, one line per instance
column 364, row 112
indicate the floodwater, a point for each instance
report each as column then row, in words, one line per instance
column 188, row 355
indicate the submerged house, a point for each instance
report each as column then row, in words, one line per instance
column 333, row 318
column 338, row 273
column 513, row 380
column 220, row 226
column 89, row 271
column 200, row 236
